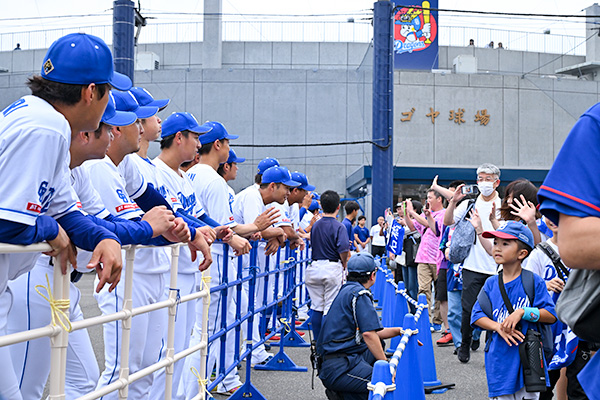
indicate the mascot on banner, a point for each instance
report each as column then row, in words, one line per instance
column 415, row 28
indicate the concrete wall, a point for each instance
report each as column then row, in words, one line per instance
column 289, row 93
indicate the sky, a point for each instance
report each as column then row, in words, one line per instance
column 24, row 15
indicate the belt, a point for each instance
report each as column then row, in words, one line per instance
column 333, row 355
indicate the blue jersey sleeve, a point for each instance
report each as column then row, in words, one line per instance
column 128, row 231
column 572, row 186
column 152, row 198
column 209, row 221
column 301, row 213
column 45, row 228
column 83, row 231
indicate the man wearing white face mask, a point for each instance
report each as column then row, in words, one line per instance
column 479, row 265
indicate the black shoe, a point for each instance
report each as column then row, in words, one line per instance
column 475, row 344
column 463, row 354
column 267, row 347
column 455, row 352
column 331, row 395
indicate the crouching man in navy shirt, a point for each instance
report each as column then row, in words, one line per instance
column 352, row 334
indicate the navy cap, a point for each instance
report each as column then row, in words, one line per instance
column 125, row 101
column 512, row 230
column 233, row 158
column 215, row 131
column 117, row 118
column 362, row 263
column 314, row 205
column 81, row 59
column 279, row 175
column 144, row 98
column 266, row 163
column 300, row 177
column 181, row 121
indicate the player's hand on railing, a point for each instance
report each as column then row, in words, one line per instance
column 224, row 233
column 180, row 232
column 272, row 246
column 240, row 245
column 199, row 244
column 209, row 234
column 255, row 236
column 61, row 244
column 298, row 244
column 266, row 219
column 106, row 258
column 160, row 219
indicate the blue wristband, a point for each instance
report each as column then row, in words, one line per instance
column 531, row 314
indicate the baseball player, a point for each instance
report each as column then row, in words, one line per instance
column 65, row 100
column 31, row 360
column 180, row 143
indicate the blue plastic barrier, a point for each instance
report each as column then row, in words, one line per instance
column 400, row 311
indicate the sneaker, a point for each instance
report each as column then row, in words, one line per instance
column 463, row 354
column 455, row 352
column 265, row 361
column 445, row 340
column 298, row 323
column 229, row 392
column 475, row 344
column 436, row 327
column 277, row 338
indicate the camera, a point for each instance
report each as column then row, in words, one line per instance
column 470, row 189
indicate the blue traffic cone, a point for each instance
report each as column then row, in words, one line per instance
column 409, row 384
column 381, row 373
column 400, row 311
column 387, row 314
column 378, row 287
column 426, row 356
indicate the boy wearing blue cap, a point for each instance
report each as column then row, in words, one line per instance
column 351, row 339
column 70, row 96
column 513, row 242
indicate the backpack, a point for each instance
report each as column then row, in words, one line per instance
column 411, row 246
column 528, row 281
column 463, row 238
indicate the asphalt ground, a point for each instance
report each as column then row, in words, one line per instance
column 274, row 385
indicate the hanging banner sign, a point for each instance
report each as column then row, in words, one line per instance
column 416, row 35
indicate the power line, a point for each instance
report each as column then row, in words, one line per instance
column 508, row 14
column 56, row 17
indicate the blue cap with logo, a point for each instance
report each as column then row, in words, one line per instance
column 362, row 263
column 300, row 177
column 315, row 196
column 215, row 131
column 114, row 117
column 279, row 175
column 266, row 163
column 233, row 158
column 512, row 230
column 125, row 101
column 181, row 121
column 144, row 98
column 81, row 59
column 314, row 205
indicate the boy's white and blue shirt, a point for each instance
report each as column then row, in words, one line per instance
column 502, row 362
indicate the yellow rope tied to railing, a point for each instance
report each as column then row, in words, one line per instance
column 289, row 260
column 202, row 383
column 286, row 323
column 57, row 306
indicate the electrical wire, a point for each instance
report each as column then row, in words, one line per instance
column 508, row 14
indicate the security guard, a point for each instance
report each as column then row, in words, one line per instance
column 351, row 338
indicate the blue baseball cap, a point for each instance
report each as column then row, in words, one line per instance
column 125, row 101
column 300, row 177
column 314, row 205
column 114, row 117
column 512, row 230
column 81, row 59
column 362, row 263
column 181, row 121
column 266, row 163
column 233, row 158
column 215, row 131
column 315, row 196
column 144, row 98
column 279, row 175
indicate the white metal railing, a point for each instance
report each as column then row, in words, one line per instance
column 59, row 336
column 303, row 31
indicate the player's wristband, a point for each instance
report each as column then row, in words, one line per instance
column 531, row 314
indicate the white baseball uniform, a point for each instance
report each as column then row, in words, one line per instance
column 148, row 287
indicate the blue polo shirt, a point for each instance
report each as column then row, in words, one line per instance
column 338, row 334
column 348, row 225
column 363, row 233
column 328, row 238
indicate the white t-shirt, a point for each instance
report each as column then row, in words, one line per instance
column 181, row 186
column 34, row 162
column 110, row 185
column 478, row 259
column 378, row 240
column 538, row 262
